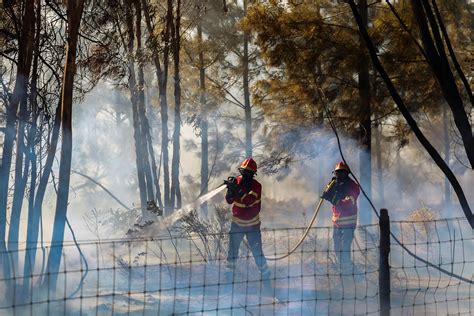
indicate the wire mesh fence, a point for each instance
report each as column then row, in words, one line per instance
column 186, row 275
column 418, row 288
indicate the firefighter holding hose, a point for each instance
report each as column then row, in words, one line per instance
column 342, row 192
column 244, row 193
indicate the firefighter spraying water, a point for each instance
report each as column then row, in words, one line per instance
column 245, row 193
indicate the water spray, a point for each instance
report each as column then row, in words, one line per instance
column 178, row 214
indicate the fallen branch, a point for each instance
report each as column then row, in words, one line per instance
column 103, row 188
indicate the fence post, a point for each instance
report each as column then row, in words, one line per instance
column 384, row 268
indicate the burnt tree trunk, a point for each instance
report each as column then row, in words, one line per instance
column 25, row 151
column 175, row 186
column 159, row 73
column 447, row 187
column 74, row 16
column 132, row 85
column 246, row 88
column 162, row 77
column 378, row 148
column 365, row 127
column 25, row 52
column 34, row 215
column 203, row 122
column 22, row 167
column 143, row 120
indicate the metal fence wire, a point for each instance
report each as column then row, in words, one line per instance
column 185, row 275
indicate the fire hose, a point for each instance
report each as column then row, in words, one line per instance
column 303, row 237
column 313, row 218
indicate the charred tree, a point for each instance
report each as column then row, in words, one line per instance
column 246, row 88
column 25, row 52
column 132, row 86
column 25, row 147
column 34, row 214
column 143, row 120
column 161, row 71
column 378, row 153
column 365, row 125
column 447, row 187
column 175, row 186
column 22, row 167
column 203, row 122
column 74, row 16
column 31, row 148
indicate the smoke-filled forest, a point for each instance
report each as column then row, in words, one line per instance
column 236, row 157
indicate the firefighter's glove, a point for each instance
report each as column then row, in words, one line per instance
column 239, row 192
column 235, row 192
column 328, row 192
column 232, row 186
column 325, row 195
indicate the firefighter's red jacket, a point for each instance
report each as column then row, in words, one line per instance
column 245, row 210
column 344, row 212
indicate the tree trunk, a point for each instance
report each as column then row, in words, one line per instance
column 154, row 169
column 25, row 53
column 132, row 85
column 144, row 127
column 22, row 167
column 204, row 122
column 162, row 77
column 175, row 186
column 25, row 153
column 74, row 16
column 31, row 150
column 365, row 128
column 411, row 122
column 399, row 173
column 246, row 88
column 378, row 148
column 447, row 187
column 35, row 213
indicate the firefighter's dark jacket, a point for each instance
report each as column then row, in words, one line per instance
column 343, row 196
column 246, row 209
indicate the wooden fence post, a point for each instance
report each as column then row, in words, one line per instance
column 384, row 267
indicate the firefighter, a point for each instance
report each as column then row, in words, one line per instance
column 244, row 193
column 342, row 192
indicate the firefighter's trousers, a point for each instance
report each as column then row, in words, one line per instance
column 254, row 239
column 343, row 237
